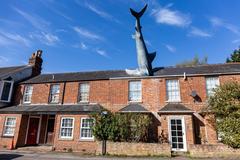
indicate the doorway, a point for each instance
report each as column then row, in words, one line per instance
column 33, row 127
column 50, row 130
column 177, row 134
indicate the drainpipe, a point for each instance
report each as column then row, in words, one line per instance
column 63, row 94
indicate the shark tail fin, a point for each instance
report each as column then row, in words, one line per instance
column 138, row 14
column 151, row 56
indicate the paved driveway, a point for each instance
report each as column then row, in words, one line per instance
column 70, row 156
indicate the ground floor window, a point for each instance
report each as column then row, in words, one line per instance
column 9, row 126
column 86, row 128
column 66, row 130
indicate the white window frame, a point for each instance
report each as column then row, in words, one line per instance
column 27, row 94
column 209, row 90
column 81, row 127
column 80, row 93
column 51, row 95
column 66, row 137
column 167, row 91
column 10, row 92
column 129, row 91
column 12, row 126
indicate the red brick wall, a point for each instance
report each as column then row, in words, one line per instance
column 75, row 144
column 6, row 142
column 113, row 95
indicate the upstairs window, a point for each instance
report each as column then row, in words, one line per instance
column 86, row 128
column 173, row 91
column 135, row 91
column 6, row 90
column 27, row 97
column 9, row 126
column 83, row 92
column 211, row 84
column 54, row 93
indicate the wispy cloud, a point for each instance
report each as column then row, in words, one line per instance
column 198, row 32
column 97, row 10
column 87, row 34
column 218, row 22
column 236, row 41
column 51, row 5
column 82, row 46
column 7, row 38
column 46, row 38
column 102, row 52
column 165, row 15
column 34, row 20
column 170, row 48
column 3, row 59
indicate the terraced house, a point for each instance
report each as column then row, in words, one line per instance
column 53, row 109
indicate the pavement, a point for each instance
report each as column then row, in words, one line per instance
column 12, row 155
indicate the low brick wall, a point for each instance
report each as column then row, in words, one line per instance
column 212, row 150
column 135, row 149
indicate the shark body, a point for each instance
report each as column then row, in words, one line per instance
column 144, row 58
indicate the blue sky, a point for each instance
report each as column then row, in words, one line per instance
column 78, row 35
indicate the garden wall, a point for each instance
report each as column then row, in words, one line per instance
column 213, row 150
column 136, row 149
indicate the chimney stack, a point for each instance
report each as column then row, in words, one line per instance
column 36, row 62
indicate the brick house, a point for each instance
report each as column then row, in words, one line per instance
column 54, row 109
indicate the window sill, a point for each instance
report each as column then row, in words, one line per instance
column 83, row 102
column 65, row 139
column 87, row 140
column 135, row 102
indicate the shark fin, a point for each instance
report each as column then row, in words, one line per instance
column 151, row 56
column 138, row 14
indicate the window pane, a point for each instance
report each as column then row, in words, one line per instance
column 28, row 94
column 86, row 131
column 211, row 84
column 66, row 128
column 135, row 91
column 9, row 127
column 173, row 91
column 6, row 91
column 84, row 92
column 54, row 93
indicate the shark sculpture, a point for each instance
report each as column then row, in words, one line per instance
column 144, row 58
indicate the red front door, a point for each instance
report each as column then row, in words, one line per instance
column 32, row 131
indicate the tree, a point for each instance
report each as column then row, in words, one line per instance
column 194, row 62
column 225, row 104
column 235, row 56
column 127, row 127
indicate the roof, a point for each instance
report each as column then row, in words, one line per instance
column 134, row 107
column 7, row 71
column 175, row 107
column 52, row 109
column 215, row 69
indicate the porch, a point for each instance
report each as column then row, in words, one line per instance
column 36, row 129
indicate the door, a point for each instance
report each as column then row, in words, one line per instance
column 177, row 134
column 50, row 131
column 32, row 131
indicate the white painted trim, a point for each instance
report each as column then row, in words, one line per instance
column 26, row 135
column 183, row 131
column 4, row 127
column 85, row 138
column 67, row 138
column 10, row 93
column 179, row 88
column 39, row 129
column 24, row 94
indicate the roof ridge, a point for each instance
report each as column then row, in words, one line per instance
column 202, row 65
column 82, row 72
